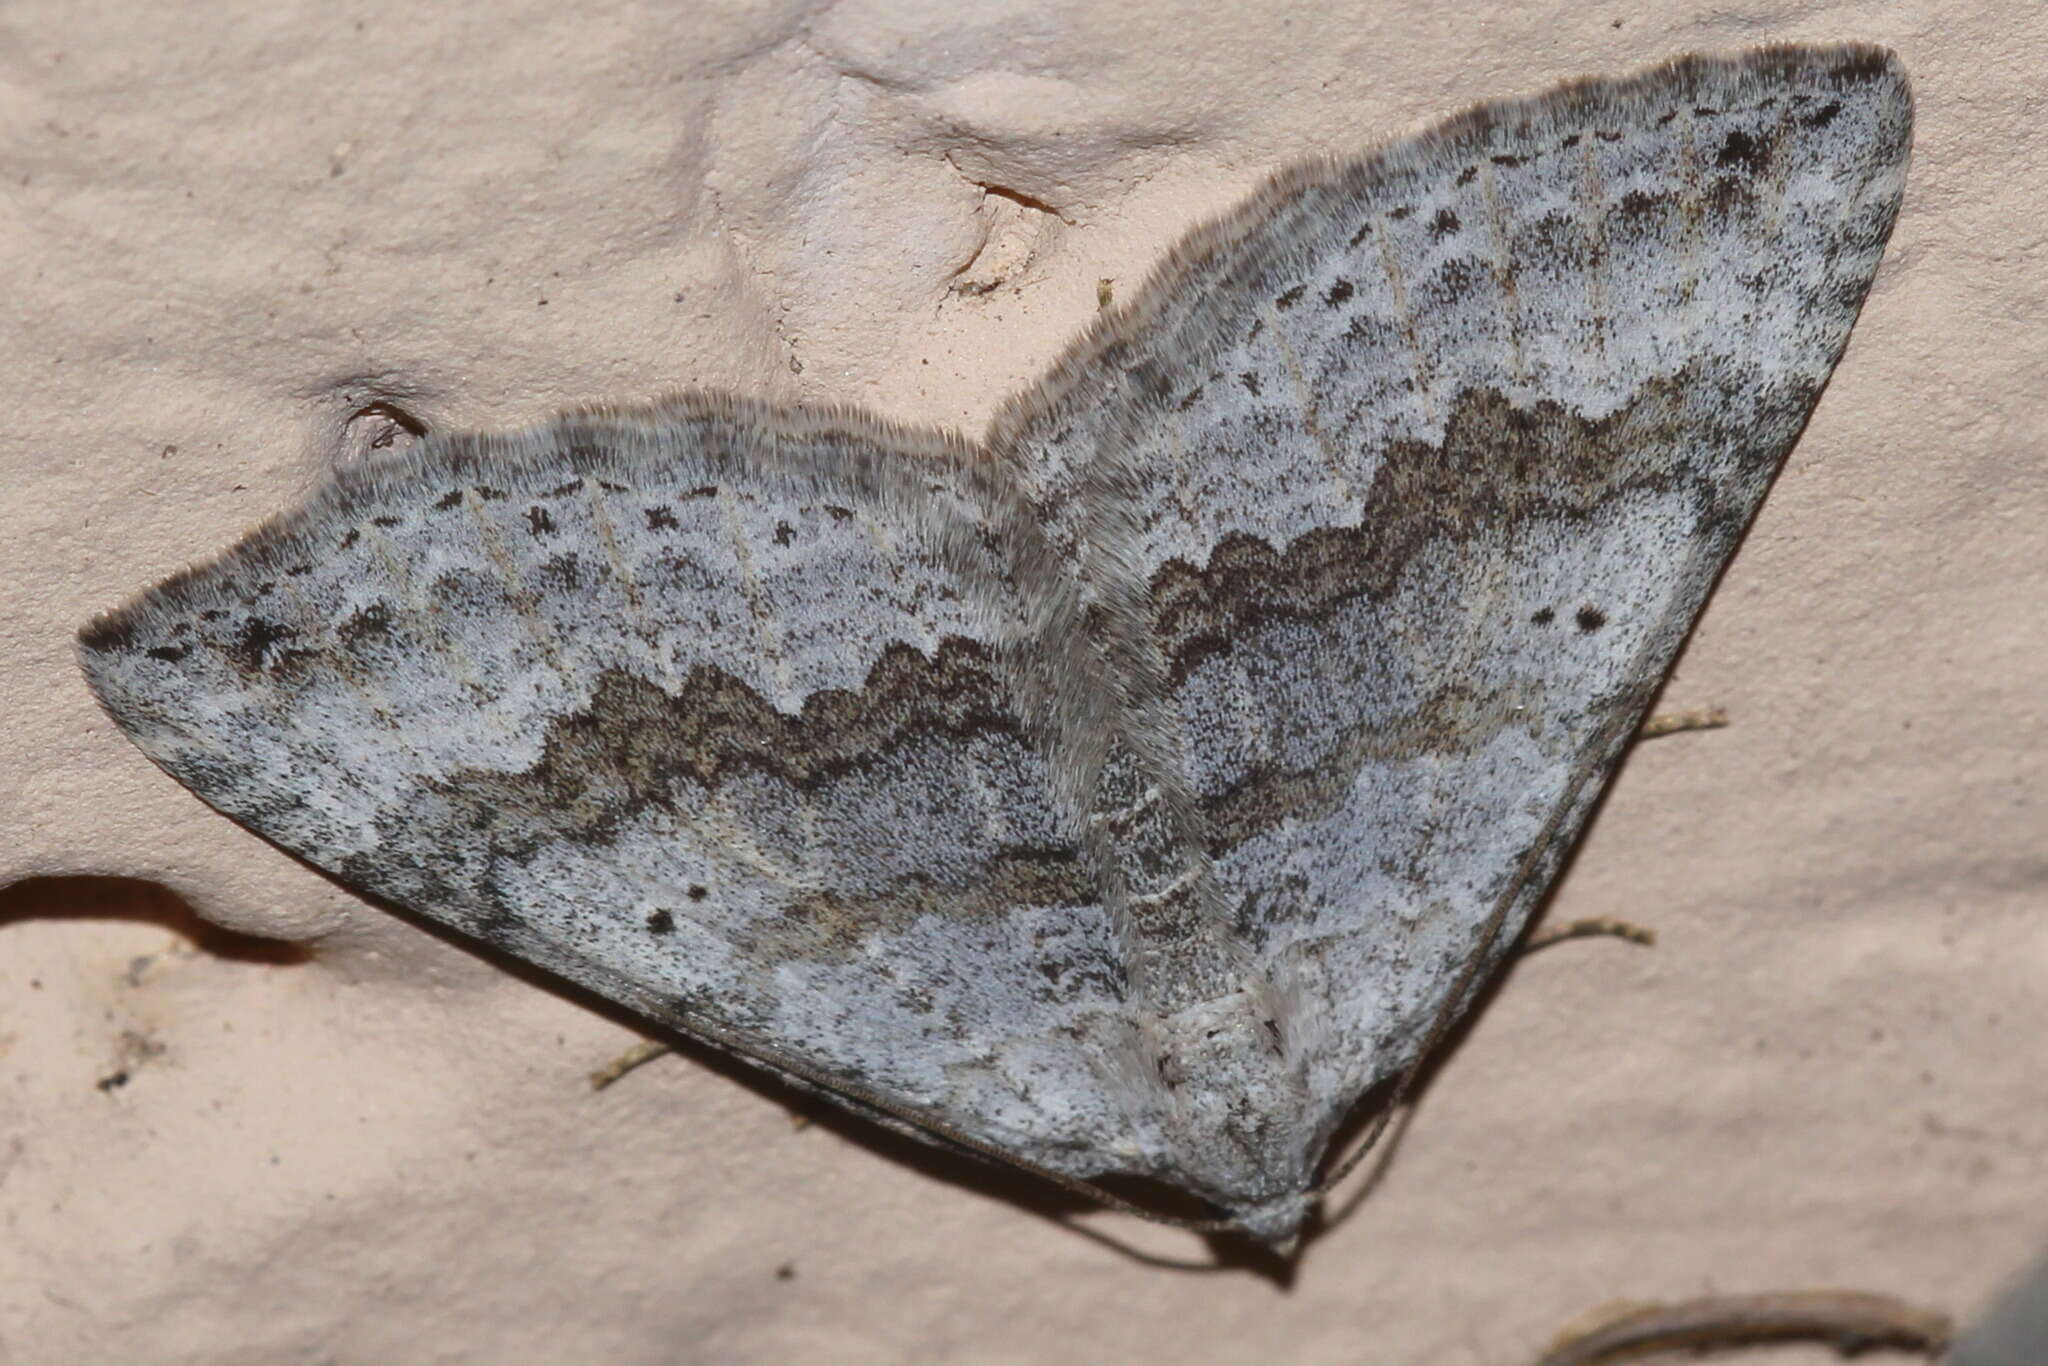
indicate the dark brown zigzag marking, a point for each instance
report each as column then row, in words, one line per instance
column 1499, row 466
column 629, row 750
column 1448, row 722
column 601, row 766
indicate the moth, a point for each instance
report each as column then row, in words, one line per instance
column 1134, row 789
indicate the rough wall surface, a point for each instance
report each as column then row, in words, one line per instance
column 242, row 239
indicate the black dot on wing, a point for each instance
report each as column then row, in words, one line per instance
column 1740, row 151
column 253, row 648
column 1590, row 618
column 365, row 623
column 1823, row 116
column 661, row 922
column 1543, row 616
column 1636, row 204
column 661, row 519
column 1444, row 224
column 697, row 893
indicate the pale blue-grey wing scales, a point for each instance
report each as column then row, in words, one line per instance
column 1421, row 466
column 1141, row 815
column 716, row 709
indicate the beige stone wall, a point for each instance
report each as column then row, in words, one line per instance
column 225, row 229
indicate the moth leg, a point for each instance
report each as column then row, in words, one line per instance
column 1667, row 723
column 1594, row 927
column 1672, row 722
column 646, row 1051
column 639, row 1055
column 1848, row 1320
